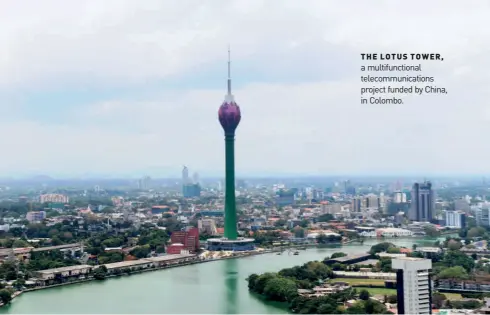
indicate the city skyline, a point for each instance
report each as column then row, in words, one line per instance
column 122, row 87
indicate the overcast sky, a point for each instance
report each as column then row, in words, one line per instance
column 133, row 87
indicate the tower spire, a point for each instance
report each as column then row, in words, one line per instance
column 229, row 70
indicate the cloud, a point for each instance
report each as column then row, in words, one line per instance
column 296, row 77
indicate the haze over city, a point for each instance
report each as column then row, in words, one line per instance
column 125, row 88
column 244, row 157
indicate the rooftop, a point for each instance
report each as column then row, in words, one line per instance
column 169, row 257
column 64, row 269
column 128, row 263
column 350, row 257
column 411, row 258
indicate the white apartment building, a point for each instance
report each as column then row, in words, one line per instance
column 207, row 226
column 394, row 232
column 482, row 215
column 399, row 197
column 455, row 219
column 54, row 198
column 332, row 208
column 413, row 285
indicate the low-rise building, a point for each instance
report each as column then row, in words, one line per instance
column 63, row 274
column 429, row 252
column 394, row 232
column 325, row 289
column 152, row 262
column 35, row 216
column 391, row 255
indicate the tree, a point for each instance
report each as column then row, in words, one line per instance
column 454, row 258
column 393, row 250
column 364, row 295
column 338, row 255
column 384, row 264
column 304, row 223
column 453, row 245
column 476, row 232
column 326, row 218
column 280, row 289
column 431, row 231
column 5, row 296
column 392, row 299
column 381, row 247
column 299, row 232
column 141, row 251
column 453, row 273
column 280, row 223
column 438, row 299
column 257, row 284
column 100, row 273
column 20, row 244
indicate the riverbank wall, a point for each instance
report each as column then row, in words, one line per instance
column 142, row 270
column 237, row 255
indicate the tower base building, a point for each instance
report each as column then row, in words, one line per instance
column 239, row 244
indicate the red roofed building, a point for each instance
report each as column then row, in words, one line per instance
column 184, row 240
column 220, row 231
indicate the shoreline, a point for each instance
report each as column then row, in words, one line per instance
column 239, row 255
column 18, row 293
column 248, row 254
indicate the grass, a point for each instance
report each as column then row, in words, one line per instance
column 359, row 282
column 363, row 284
column 386, row 291
column 378, row 291
column 453, row 296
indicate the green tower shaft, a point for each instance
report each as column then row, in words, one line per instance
column 230, row 202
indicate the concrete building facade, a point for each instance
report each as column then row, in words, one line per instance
column 413, row 285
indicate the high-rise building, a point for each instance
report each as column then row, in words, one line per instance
column 399, row 197
column 285, row 197
column 372, row 201
column 482, row 215
column 144, row 183
column 462, row 204
column 185, row 175
column 229, row 117
column 423, row 202
column 191, row 190
column 195, row 178
column 455, row 219
column 356, row 204
column 413, row 285
column 35, row 216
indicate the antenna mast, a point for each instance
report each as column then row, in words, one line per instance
column 229, row 70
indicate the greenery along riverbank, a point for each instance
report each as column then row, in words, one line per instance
column 283, row 287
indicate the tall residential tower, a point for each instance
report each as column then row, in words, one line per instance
column 413, row 284
column 423, row 202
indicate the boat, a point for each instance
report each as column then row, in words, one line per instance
column 296, row 253
column 280, row 253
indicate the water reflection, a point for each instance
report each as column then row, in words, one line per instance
column 231, row 276
column 188, row 275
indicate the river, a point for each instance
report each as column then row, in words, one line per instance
column 217, row 287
